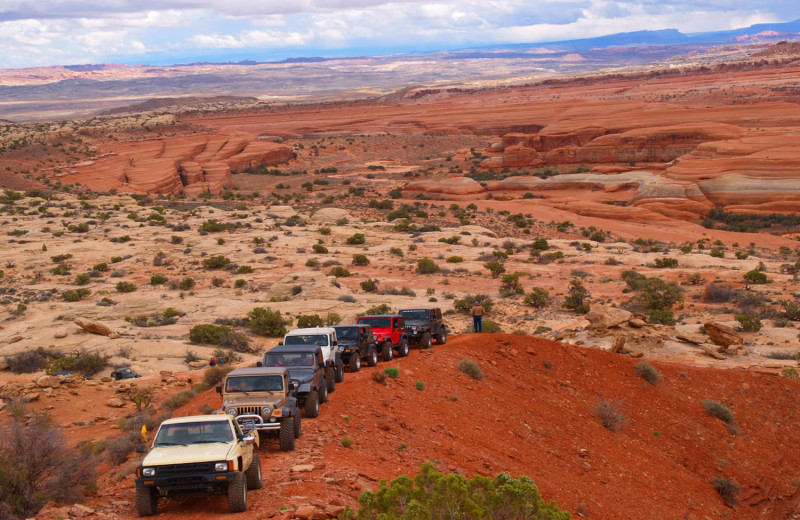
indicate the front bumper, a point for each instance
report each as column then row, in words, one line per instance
column 188, row 481
column 415, row 335
column 258, row 422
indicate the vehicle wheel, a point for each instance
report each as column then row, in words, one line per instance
column 146, row 501
column 339, row 370
column 237, row 494
column 311, row 408
column 253, row 474
column 323, row 392
column 441, row 338
column 330, row 377
column 387, row 354
column 298, row 427
column 372, row 359
column 426, row 341
column 287, row 434
column 402, row 350
column 355, row 362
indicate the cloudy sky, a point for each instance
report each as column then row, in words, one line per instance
column 62, row 32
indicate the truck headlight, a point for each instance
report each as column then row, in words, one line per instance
column 231, row 411
column 148, row 472
column 220, row 467
column 266, row 411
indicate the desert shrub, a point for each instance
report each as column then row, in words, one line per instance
column 537, row 298
column 791, row 310
column 495, row 267
column 719, row 411
column 208, row 333
column 346, row 298
column 214, row 375
column 369, row 285
column 36, row 472
column 610, row 414
column 379, row 377
column 27, row 361
column 177, row 400
column 244, row 269
column 125, row 287
column 790, row 373
column 576, row 298
column 510, row 285
column 266, row 322
column 158, row 279
column 714, row 293
column 82, row 279
column 728, row 490
column 332, row 318
column 755, row 277
column 217, row 282
column 663, row 317
column 694, row 279
column 471, row 368
column 347, row 441
column 427, row 266
column 378, row 309
column 487, row 326
column 82, row 361
column 748, row 322
column 216, row 262
column 356, row 239
column 140, row 397
column 454, row 259
column 430, row 493
column 647, row 372
column 239, row 283
column 419, row 385
column 214, row 226
column 360, row 260
column 309, row 320
column 717, row 253
column 666, row 262
column 392, row 372
column 396, row 251
column 465, row 304
column 320, row 249
column 339, row 272
column 655, row 293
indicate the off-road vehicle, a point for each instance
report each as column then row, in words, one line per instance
column 423, row 325
column 390, row 334
column 124, row 373
column 357, row 342
column 201, row 454
column 264, row 399
column 325, row 338
column 307, row 371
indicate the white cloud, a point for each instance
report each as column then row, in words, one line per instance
column 255, row 39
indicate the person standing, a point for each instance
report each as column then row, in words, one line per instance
column 477, row 316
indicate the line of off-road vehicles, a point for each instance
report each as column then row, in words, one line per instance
column 217, row 454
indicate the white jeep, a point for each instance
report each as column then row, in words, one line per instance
column 325, row 338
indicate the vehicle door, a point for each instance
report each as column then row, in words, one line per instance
column 245, row 451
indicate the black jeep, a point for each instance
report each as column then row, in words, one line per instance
column 423, row 325
column 306, row 369
column 357, row 342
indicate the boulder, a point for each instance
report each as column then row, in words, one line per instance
column 601, row 317
column 191, row 173
column 115, row 402
column 60, row 334
column 305, row 511
column 688, row 337
column 722, row 335
column 329, row 215
column 712, row 351
column 637, row 323
column 80, row 511
column 48, row 382
column 93, row 327
column 3, row 364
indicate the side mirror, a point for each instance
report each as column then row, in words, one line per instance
column 141, row 448
column 259, row 364
column 219, row 389
column 292, row 386
column 249, row 440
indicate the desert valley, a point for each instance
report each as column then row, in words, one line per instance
column 632, row 233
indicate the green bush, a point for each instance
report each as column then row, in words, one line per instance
column 662, row 317
column 83, row 361
column 419, row 385
column 396, row 251
column 379, row 309
column 239, row 283
column 125, row 287
column 511, row 285
column 748, row 322
column 266, row 322
column 666, row 262
column 208, row 333
column 392, row 372
column 369, row 285
column 216, row 262
column 576, row 298
column 339, row 272
column 360, row 260
column 158, row 279
column 244, row 269
column 309, row 320
column 495, row 267
column 755, row 277
column 471, row 368
column 333, row 318
column 717, row 253
column 101, row 267
column 538, row 298
column 320, row 249
column 465, row 304
column 82, row 279
column 356, row 239
column 427, row 266
column 76, row 295
column 214, row 226
column 454, row 260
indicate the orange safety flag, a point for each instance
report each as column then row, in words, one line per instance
column 144, row 432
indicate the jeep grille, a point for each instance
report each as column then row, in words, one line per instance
column 183, row 469
column 248, row 410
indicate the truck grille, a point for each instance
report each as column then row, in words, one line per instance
column 184, row 469
column 248, row 410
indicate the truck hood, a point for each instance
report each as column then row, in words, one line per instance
column 162, row 455
column 302, row 375
column 254, row 399
column 416, row 323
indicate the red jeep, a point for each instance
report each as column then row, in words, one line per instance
column 390, row 333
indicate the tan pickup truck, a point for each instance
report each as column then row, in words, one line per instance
column 201, row 454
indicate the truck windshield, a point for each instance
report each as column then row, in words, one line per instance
column 347, row 334
column 181, row 434
column 307, row 339
column 377, row 323
column 418, row 315
column 272, row 383
column 290, row 359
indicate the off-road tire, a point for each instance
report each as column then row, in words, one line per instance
column 323, row 391
column 237, row 494
column 426, row 341
column 311, row 408
column 330, row 377
column 354, row 362
column 287, row 434
column 372, row 359
column 253, row 474
column 402, row 350
column 298, row 425
column 387, row 353
column 338, row 370
column 146, row 501
column 441, row 338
